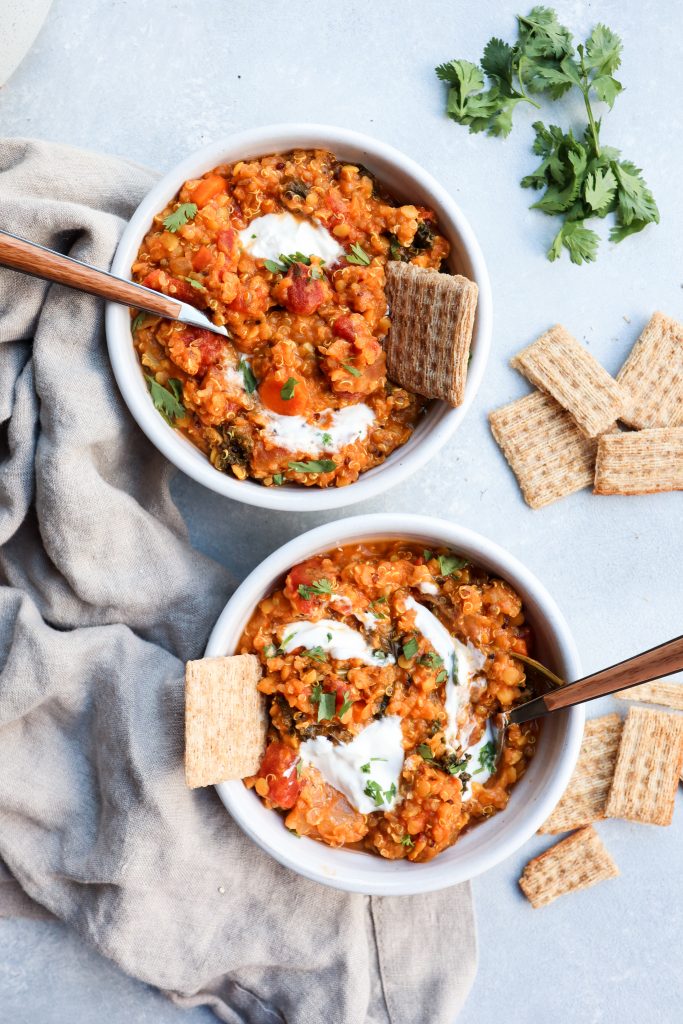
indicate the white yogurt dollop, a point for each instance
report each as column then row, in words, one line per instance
column 336, row 638
column 371, row 762
column 275, row 233
column 462, row 663
column 295, row 434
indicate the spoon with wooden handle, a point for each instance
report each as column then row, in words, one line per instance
column 30, row 258
column 642, row 668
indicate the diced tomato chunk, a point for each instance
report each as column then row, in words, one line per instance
column 283, row 789
column 202, row 258
column 160, row 281
column 299, row 292
column 304, row 574
column 228, row 242
column 343, row 328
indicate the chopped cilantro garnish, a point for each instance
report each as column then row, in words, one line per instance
column 314, row 466
column 487, row 758
column 195, row 284
column 299, row 768
column 352, row 370
column 316, row 654
column 287, row 389
column 326, row 439
column 358, row 256
column 442, row 676
column 250, row 382
column 432, row 660
column 407, row 841
column 273, row 267
column 278, row 479
column 180, row 216
column 326, row 706
column 321, row 586
column 269, row 651
column 137, row 323
column 410, row 648
column 345, row 707
column 167, row 400
column 316, row 693
column 427, row 555
column 425, row 752
column 450, row 565
column 365, row 768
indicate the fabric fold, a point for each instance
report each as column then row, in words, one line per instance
column 102, row 599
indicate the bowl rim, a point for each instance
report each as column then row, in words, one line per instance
column 433, row 875
column 177, row 449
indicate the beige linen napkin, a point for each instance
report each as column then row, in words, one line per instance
column 102, row 599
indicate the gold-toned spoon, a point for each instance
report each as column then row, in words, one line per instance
column 641, row 668
column 30, row 258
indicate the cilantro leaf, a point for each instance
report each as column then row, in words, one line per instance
column 278, row 479
column 407, row 842
column 599, row 190
column 137, row 323
column 318, row 587
column 498, row 62
column 358, row 256
column 636, row 202
column 345, row 707
column 451, row 564
column 181, row 215
column 167, row 399
column 273, row 267
column 316, row 654
column 410, row 648
column 352, row 370
column 374, row 790
column 607, row 89
column 250, row 382
column 326, row 706
column 314, row 466
column 603, row 50
column 287, row 389
column 580, row 242
column 541, row 34
column 487, row 758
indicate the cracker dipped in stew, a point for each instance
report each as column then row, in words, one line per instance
column 288, row 252
column 383, row 666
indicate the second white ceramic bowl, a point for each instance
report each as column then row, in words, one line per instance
column 532, row 799
column 406, row 180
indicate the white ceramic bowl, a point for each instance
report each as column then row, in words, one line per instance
column 408, row 182
column 533, row 798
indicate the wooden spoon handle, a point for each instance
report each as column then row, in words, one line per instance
column 38, row 261
column 659, row 661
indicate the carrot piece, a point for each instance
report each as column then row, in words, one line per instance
column 274, row 388
column 202, row 258
column 208, row 188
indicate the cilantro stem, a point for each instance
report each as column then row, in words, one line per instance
column 522, row 90
column 585, row 87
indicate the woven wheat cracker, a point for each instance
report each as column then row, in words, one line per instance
column 574, row 863
column 666, row 694
column 652, row 376
column 649, row 764
column 432, row 320
column 225, row 719
column 585, row 797
column 545, row 449
column 557, row 364
column 640, row 462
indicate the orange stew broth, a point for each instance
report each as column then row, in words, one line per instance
column 317, row 325
column 435, row 804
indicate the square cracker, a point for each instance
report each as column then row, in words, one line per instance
column 640, row 462
column 432, row 320
column 558, row 364
column 225, row 719
column 585, row 797
column 652, row 376
column 545, row 449
column 574, row 863
column 649, row 763
column 667, row 694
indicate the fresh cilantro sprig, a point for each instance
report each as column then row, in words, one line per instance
column 181, row 215
column 487, row 758
column 580, row 178
column 358, row 256
column 314, row 466
column 167, row 399
column 321, row 586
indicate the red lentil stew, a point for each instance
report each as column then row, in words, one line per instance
column 384, row 664
column 288, row 252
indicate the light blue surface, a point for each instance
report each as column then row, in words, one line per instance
column 152, row 81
